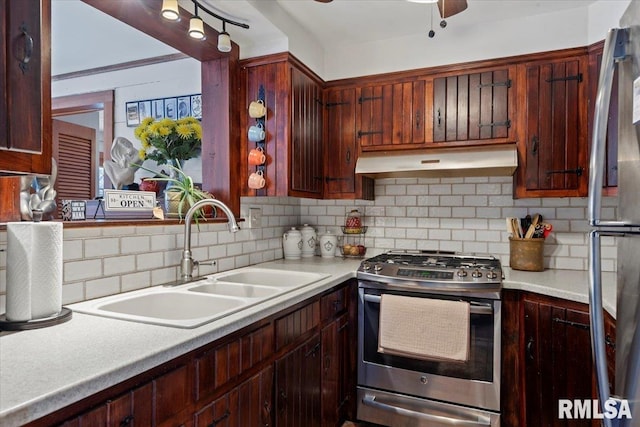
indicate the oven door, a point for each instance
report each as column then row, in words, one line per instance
column 475, row 382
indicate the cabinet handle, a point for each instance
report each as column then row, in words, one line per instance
column 608, row 341
column 530, row 349
column 217, row 421
column 313, row 351
column 336, row 305
column 327, row 363
column 418, row 120
column 439, row 118
column 348, row 156
column 266, row 414
column 534, row 144
column 28, row 49
column 126, row 421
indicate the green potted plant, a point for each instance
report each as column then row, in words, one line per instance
column 181, row 194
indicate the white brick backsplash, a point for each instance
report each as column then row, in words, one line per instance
column 135, row 244
column 81, row 270
column 119, row 265
column 131, row 282
column 101, row 248
column 102, row 287
column 459, row 214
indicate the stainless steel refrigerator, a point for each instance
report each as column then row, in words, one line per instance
column 621, row 50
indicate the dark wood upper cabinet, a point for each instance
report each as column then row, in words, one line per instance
column 610, row 183
column 25, row 86
column 473, row 107
column 391, row 116
column 341, row 149
column 306, row 136
column 553, row 151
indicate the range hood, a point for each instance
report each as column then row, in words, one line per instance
column 485, row 160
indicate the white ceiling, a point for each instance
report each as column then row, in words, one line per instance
column 84, row 38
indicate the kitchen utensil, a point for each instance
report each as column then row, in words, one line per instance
column 532, row 228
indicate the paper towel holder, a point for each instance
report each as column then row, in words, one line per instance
column 24, row 325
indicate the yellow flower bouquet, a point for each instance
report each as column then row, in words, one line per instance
column 167, row 140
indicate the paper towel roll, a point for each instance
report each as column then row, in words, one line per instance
column 34, row 270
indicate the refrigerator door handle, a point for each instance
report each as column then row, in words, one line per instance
column 614, row 49
column 596, row 320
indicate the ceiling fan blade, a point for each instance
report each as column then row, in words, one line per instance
column 449, row 8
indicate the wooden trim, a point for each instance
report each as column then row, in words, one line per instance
column 120, row 66
column 144, row 15
column 88, row 102
column 474, row 66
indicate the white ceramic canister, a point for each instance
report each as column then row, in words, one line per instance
column 328, row 244
column 308, row 241
column 292, row 244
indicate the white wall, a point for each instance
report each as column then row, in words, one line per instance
column 603, row 15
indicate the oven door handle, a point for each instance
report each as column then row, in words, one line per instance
column 369, row 400
column 474, row 307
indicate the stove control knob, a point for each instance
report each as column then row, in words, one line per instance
column 366, row 266
column 492, row 275
column 461, row 273
column 476, row 273
column 378, row 267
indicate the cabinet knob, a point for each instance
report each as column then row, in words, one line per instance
column 126, row 421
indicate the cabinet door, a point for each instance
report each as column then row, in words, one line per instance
column 554, row 154
column 306, row 136
column 341, row 149
column 391, row 116
column 472, row 107
column 558, row 363
column 298, row 386
column 248, row 405
column 611, row 175
column 25, row 142
column 336, row 371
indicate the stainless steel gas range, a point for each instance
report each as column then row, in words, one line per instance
column 400, row 391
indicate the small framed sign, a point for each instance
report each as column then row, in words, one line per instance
column 131, row 201
column 74, row 210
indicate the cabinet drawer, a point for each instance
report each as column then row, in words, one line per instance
column 227, row 362
column 334, row 304
column 295, row 325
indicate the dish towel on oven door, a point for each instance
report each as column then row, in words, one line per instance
column 424, row 328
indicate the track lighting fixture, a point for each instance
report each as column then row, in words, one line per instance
column 196, row 27
column 171, row 12
column 224, row 40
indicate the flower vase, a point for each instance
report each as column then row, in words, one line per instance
column 171, row 194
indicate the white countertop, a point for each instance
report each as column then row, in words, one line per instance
column 44, row 370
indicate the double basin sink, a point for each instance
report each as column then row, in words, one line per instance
column 194, row 304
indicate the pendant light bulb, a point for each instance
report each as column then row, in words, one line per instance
column 170, row 10
column 224, row 39
column 196, row 28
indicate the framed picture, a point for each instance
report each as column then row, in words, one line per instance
column 171, row 108
column 184, row 107
column 196, row 106
column 158, row 109
column 144, row 109
column 133, row 116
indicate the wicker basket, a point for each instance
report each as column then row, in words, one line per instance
column 526, row 254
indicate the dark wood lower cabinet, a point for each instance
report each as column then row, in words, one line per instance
column 298, row 385
column 547, row 357
column 244, row 379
